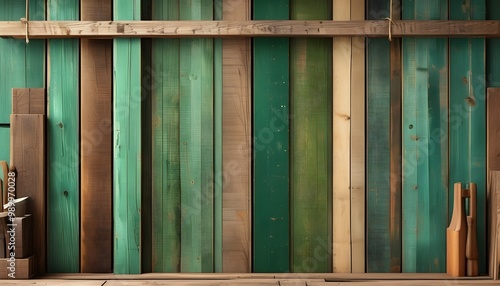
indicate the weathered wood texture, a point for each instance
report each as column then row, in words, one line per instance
column 493, row 127
column 27, row 155
column 191, row 29
column 236, row 146
column 127, row 145
column 341, row 200
column 494, row 223
column 271, row 195
column 311, row 143
column 96, row 242
column 425, row 147
column 218, row 144
column 467, row 117
column 5, row 143
column 28, row 101
column 358, row 144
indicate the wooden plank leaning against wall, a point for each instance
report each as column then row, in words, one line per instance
column 493, row 157
column 236, row 191
column 95, row 145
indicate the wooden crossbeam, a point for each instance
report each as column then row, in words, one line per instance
column 262, row 28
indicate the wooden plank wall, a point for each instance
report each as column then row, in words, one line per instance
column 236, row 114
column 127, row 144
column 63, row 188
column 425, row 137
column 5, row 139
column 493, row 159
column 96, row 145
column 468, row 113
column 271, row 196
column 311, row 142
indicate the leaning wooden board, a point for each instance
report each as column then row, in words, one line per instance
column 468, row 113
column 96, row 237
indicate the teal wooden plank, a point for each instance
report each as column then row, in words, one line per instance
column 166, row 157
column 63, row 190
column 311, row 142
column 378, row 251
column 271, row 158
column 5, row 145
column 468, row 114
column 196, row 143
column 493, row 47
column 127, row 145
column 425, row 143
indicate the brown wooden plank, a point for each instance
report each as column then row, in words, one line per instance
column 494, row 222
column 493, row 122
column 96, row 156
column 236, row 130
column 28, row 157
column 37, row 101
column 28, row 101
column 153, row 29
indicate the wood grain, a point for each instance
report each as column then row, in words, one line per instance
column 236, row 116
column 28, row 157
column 96, row 144
column 494, row 223
column 28, row 101
column 493, row 127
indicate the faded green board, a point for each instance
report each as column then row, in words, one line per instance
column 467, row 121
column 166, row 193
column 311, row 141
column 271, row 151
column 378, row 247
column 21, row 65
column 196, row 143
column 425, row 143
column 127, row 145
column 493, row 47
column 5, row 145
column 63, row 191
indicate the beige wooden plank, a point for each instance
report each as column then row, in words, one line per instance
column 28, row 157
column 20, row 101
column 358, row 144
column 278, row 28
column 53, row 282
column 236, row 225
column 37, row 101
column 493, row 128
column 494, row 222
column 341, row 143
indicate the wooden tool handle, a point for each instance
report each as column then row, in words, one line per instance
column 471, row 251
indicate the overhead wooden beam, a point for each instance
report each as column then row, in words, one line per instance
column 262, row 28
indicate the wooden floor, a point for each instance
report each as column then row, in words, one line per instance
column 251, row 279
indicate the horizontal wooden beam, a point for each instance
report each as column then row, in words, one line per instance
column 179, row 29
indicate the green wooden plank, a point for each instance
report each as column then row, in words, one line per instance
column 63, row 190
column 127, row 145
column 493, row 47
column 468, row 114
column 196, row 143
column 311, row 142
column 5, row 145
column 378, row 251
column 271, row 154
column 166, row 161
column 425, row 156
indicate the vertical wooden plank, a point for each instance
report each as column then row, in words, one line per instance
column 95, row 145
column 20, row 101
column 127, row 145
column 493, row 158
column 27, row 155
column 166, row 193
column 425, row 156
column 196, row 147
column 311, row 142
column 271, row 151
column 341, row 203
column 493, row 127
column 236, row 144
column 35, row 50
column 357, row 182
column 378, row 167
column 468, row 113
column 5, row 146
column 63, row 190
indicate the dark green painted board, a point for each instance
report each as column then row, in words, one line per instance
column 311, row 142
column 196, row 143
column 493, row 47
column 425, row 143
column 271, row 209
column 127, row 145
column 63, row 191
column 378, row 101
column 5, row 144
column 166, row 194
column 468, row 114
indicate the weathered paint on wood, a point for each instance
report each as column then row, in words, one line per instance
column 5, row 143
column 467, row 119
column 271, row 230
column 218, row 147
column 425, row 137
column 63, row 188
column 96, row 228
column 236, row 146
column 127, row 145
column 311, row 143
column 196, row 143
column 378, row 199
